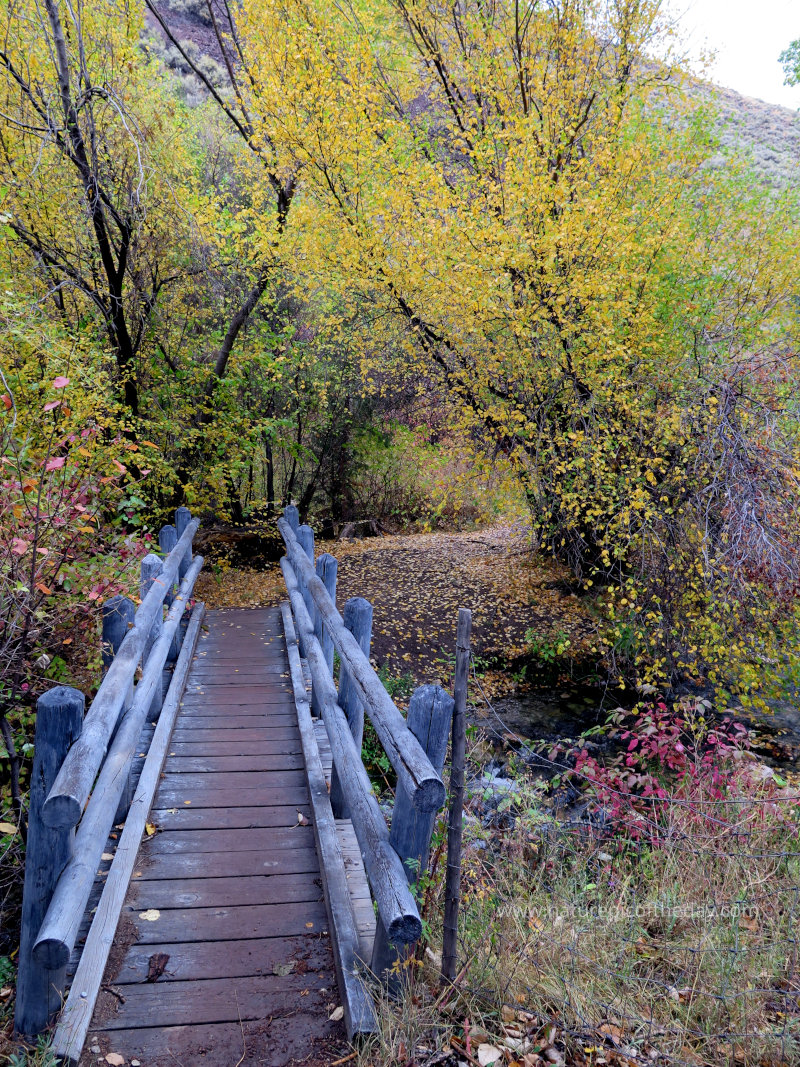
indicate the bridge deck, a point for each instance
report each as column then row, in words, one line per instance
column 222, row 948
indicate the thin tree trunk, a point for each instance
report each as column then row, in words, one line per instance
column 452, row 890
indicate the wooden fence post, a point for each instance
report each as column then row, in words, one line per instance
column 305, row 538
column 167, row 539
column 118, row 617
column 429, row 714
column 357, row 617
column 151, row 569
column 327, row 569
column 455, row 822
column 59, row 716
column 292, row 516
column 182, row 519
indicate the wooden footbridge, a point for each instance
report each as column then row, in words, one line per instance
column 209, row 877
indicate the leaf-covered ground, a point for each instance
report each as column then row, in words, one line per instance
column 416, row 584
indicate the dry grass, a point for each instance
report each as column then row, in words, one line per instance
column 591, row 946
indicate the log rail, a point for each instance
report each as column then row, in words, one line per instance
column 82, row 771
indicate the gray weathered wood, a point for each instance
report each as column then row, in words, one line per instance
column 385, row 871
column 411, row 765
column 73, row 784
column 118, row 613
column 59, row 716
column 77, row 1013
column 305, row 539
column 430, row 711
column 151, row 572
column 292, row 516
column 452, row 888
column 327, row 568
column 357, row 617
column 58, row 932
column 167, row 540
column 182, row 519
column 359, row 1016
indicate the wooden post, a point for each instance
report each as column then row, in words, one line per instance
column 327, row 568
column 305, row 538
column 182, row 519
column 429, row 714
column 357, row 617
column 150, row 571
column 452, row 889
column 59, row 716
column 118, row 617
column 292, row 516
column 167, row 539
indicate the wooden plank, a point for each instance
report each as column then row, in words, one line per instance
column 357, row 1003
column 212, row 1000
column 289, row 1038
column 175, row 794
column 190, row 818
column 290, row 835
column 237, row 864
column 275, row 761
column 225, row 693
column 217, row 892
column 214, row 735
column 237, row 746
column 208, row 781
column 194, row 718
column 225, row 959
column 233, row 922
column 77, row 1013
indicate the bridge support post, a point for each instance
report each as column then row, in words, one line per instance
column 150, row 571
column 182, row 519
column 305, row 538
column 118, row 617
column 429, row 715
column 327, row 567
column 59, row 717
column 357, row 617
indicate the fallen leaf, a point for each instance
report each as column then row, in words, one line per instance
column 302, row 820
column 489, row 1054
column 59, row 383
column 150, row 915
column 150, row 828
column 7, row 828
column 336, row 1014
column 156, row 966
column 115, row 1059
column 106, row 856
column 282, row 969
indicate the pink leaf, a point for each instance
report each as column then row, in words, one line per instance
column 55, row 463
column 20, row 547
column 60, row 382
column 51, row 404
column 119, row 466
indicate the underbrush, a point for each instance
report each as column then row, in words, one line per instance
column 636, row 909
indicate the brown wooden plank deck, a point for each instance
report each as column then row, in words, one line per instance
column 228, row 888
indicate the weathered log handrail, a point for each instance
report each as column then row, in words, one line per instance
column 61, row 865
column 387, row 878
column 59, row 930
column 413, row 768
column 73, row 784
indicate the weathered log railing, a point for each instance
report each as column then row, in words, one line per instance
column 82, row 766
column 416, row 746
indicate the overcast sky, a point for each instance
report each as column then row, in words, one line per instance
column 748, row 36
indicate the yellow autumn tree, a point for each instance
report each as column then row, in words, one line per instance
column 521, row 193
